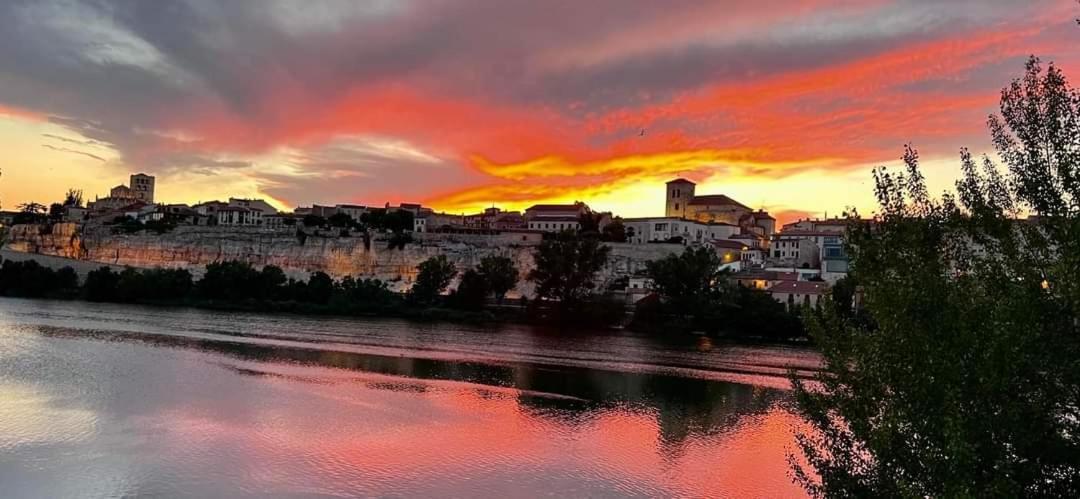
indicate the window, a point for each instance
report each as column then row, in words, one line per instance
column 676, row 206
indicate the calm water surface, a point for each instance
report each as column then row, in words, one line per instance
column 102, row 400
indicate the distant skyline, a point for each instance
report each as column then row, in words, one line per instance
column 782, row 105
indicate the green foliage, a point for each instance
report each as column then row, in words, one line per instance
column 73, row 198
column 690, row 281
column 30, row 213
column 614, row 232
column 399, row 240
column 392, row 220
column 364, row 295
column 314, row 221
column 566, row 267
column 341, row 220
column 30, row 279
column 696, row 295
column 320, row 288
column 965, row 380
column 500, row 275
column 231, row 281
column 56, row 212
column 471, row 292
column 434, row 276
column 101, row 285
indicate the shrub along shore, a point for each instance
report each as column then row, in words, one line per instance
column 691, row 294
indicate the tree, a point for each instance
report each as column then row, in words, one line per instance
column 320, row 288
column 472, row 291
column 688, row 282
column 101, row 285
column 340, row 219
column 500, row 275
column 434, row 276
column 73, row 198
column 56, row 212
column 614, row 232
column 230, row 281
column 966, row 379
column 30, row 213
column 365, row 294
column 314, row 221
column 566, row 267
column 271, row 281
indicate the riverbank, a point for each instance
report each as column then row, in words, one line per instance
column 236, row 286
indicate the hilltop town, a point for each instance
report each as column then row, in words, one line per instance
column 795, row 263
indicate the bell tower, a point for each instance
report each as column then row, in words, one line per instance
column 679, row 193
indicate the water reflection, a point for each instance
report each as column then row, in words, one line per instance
column 146, row 413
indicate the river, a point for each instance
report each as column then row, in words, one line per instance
column 103, row 400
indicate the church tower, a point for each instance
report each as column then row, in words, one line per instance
column 679, row 193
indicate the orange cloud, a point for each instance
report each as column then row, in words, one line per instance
column 25, row 114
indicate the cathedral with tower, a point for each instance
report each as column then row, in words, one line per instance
column 683, row 202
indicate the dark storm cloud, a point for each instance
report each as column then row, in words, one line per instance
column 158, row 80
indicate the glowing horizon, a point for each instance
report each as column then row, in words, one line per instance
column 784, row 104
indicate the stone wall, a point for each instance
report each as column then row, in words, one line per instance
column 194, row 247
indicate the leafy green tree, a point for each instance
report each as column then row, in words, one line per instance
column 271, row 282
column 30, row 213
column 67, row 279
column 688, row 282
column 314, row 221
column 230, row 281
column 500, row 275
column 365, row 294
column 472, row 291
column 434, row 276
column 73, row 198
column 320, row 288
column 340, row 219
column 31, row 279
column 56, row 212
column 966, row 380
column 101, row 285
column 566, row 267
column 614, row 232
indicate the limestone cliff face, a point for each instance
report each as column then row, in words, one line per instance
column 194, row 247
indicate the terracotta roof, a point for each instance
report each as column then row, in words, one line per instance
column 681, row 181
column 716, row 200
column 799, row 287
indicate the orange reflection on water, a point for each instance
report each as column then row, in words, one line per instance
column 374, row 434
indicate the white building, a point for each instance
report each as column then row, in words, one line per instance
column 555, row 217
column 239, row 216
column 663, row 229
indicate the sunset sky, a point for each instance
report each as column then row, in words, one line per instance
column 782, row 104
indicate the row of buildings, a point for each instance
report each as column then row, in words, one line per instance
column 795, row 262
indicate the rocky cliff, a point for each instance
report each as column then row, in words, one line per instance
column 194, row 247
